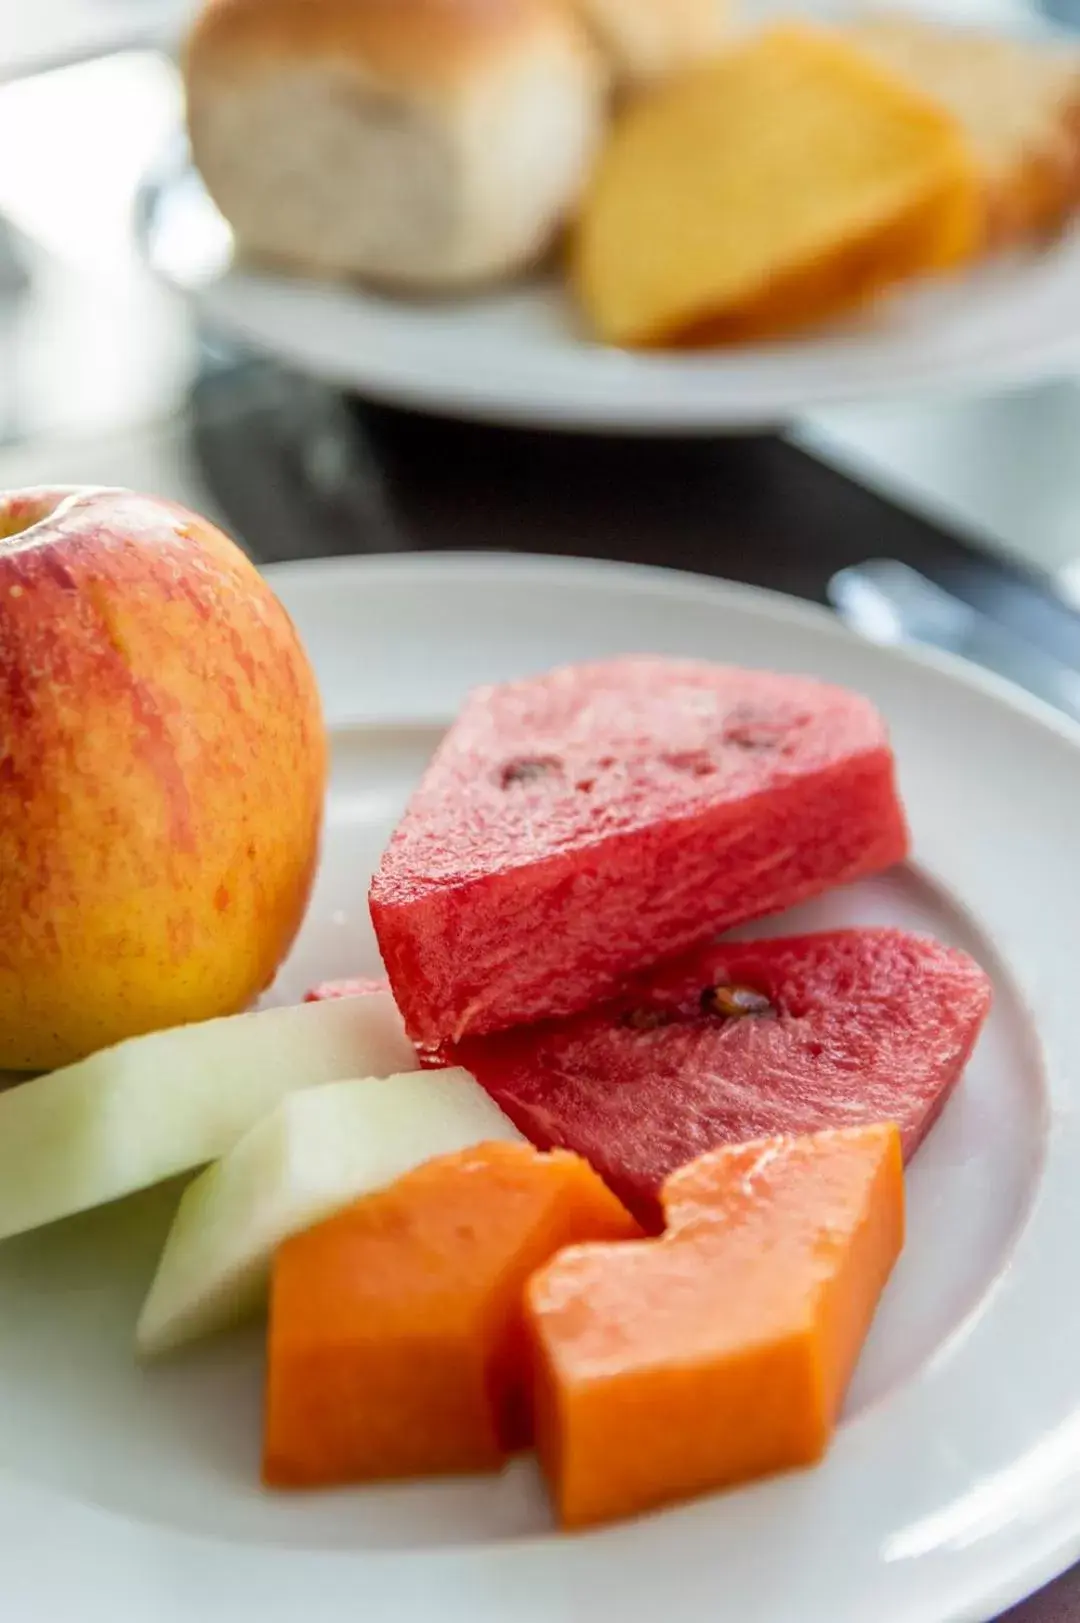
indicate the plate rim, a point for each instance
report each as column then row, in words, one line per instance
column 301, row 573
column 643, row 394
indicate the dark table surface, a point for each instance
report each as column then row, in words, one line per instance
column 309, row 473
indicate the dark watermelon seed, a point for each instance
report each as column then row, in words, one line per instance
column 747, row 729
column 646, row 1019
column 529, row 770
column 697, row 762
column 750, row 738
column 736, row 1002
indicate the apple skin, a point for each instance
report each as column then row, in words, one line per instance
column 163, row 767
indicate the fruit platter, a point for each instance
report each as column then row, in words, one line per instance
column 543, row 1079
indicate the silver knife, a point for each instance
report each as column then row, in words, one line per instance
column 891, row 603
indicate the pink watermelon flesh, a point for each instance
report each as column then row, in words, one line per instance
column 861, row 1026
column 356, row 986
column 573, row 829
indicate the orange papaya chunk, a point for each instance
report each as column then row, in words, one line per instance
column 721, row 1351
column 397, row 1345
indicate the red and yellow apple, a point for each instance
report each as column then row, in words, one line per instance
column 162, row 773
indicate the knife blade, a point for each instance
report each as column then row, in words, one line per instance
column 889, row 602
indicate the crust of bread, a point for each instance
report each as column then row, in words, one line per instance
column 408, row 45
column 1019, row 103
column 1043, row 191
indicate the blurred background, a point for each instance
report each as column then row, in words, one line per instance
column 109, row 375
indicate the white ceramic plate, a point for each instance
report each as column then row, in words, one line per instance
column 131, row 1496
column 522, row 355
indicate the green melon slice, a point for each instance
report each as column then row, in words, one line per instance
column 319, row 1151
column 155, row 1106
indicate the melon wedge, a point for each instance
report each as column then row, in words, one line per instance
column 575, row 828
column 155, row 1106
column 317, row 1152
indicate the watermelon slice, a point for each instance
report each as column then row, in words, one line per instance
column 354, row 986
column 739, row 1041
column 576, row 828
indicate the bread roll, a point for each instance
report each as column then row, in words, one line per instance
column 424, row 144
column 1019, row 103
column 645, row 40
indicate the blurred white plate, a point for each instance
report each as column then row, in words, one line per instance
column 522, row 356
column 53, row 33
column 131, row 1496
